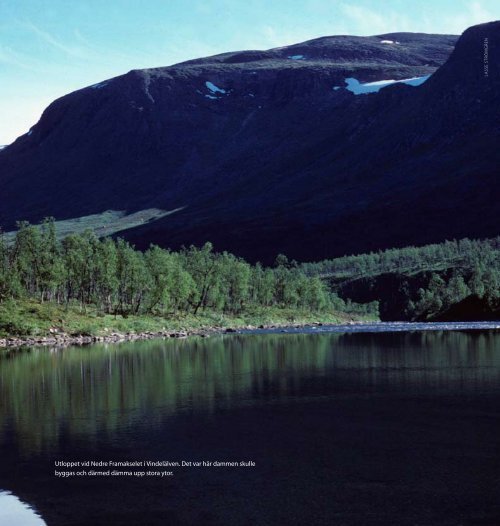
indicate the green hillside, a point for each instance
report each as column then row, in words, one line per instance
column 444, row 281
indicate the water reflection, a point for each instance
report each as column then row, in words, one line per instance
column 14, row 512
column 102, row 389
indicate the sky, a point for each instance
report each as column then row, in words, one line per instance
column 51, row 47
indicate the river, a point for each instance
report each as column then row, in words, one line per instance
column 321, row 426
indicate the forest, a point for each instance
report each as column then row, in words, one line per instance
column 111, row 277
column 449, row 280
column 99, row 277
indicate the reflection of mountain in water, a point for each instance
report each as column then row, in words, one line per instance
column 102, row 389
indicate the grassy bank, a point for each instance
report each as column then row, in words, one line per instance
column 28, row 318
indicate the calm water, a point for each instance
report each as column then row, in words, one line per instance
column 397, row 428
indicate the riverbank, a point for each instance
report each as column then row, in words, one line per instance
column 33, row 323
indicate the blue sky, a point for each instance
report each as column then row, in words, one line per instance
column 51, row 47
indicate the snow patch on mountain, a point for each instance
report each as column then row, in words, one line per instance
column 213, row 88
column 99, row 85
column 359, row 88
column 147, row 83
column 297, row 57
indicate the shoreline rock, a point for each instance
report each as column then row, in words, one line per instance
column 65, row 340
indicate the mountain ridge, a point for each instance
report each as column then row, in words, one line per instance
column 272, row 158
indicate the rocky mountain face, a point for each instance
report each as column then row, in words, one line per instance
column 292, row 150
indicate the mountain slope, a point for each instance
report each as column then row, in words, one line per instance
column 268, row 152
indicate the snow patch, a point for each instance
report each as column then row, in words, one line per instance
column 213, row 88
column 99, row 85
column 358, row 88
column 335, row 88
column 296, row 57
column 211, row 97
column 147, row 82
column 389, row 42
column 415, row 81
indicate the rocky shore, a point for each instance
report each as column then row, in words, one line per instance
column 59, row 339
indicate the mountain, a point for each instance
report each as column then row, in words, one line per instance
column 299, row 150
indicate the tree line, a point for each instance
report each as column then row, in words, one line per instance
column 117, row 279
column 443, row 292
column 433, row 278
column 464, row 253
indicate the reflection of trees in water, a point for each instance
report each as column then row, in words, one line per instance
column 101, row 389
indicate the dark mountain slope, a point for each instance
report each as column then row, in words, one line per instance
column 163, row 132
column 406, row 164
column 266, row 157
